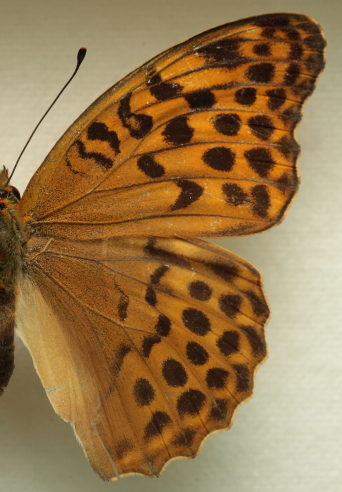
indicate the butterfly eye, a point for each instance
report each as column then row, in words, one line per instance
column 3, row 194
column 15, row 192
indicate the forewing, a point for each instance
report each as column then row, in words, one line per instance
column 145, row 346
column 199, row 141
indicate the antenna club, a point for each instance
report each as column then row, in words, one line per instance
column 81, row 55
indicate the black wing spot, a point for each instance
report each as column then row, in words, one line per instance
column 99, row 131
column 190, row 402
column 151, row 296
column 225, row 51
column 234, row 194
column 166, row 90
column 227, row 124
column 230, row 304
column 288, row 147
column 260, row 72
column 120, row 355
column 268, row 33
column 158, row 274
column 100, row 159
column 190, row 193
column 148, row 343
column 255, row 340
column 200, row 99
column 277, row 97
column 246, row 96
column 261, row 200
column 292, row 74
column 296, row 51
column 229, row 343
column 122, row 307
column 261, row 126
column 260, row 160
column 123, row 447
column 243, row 377
column 174, row 373
column 196, row 354
column 149, row 166
column 196, row 321
column 262, row 49
column 257, row 303
column 143, row 392
column 219, row 410
column 185, row 438
column 137, row 124
column 292, row 34
column 219, row 158
column 156, row 425
column 216, row 378
column 164, row 256
column 200, row 290
column 177, row 131
column 227, row 271
column 273, row 20
column 163, row 326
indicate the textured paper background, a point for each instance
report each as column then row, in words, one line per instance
column 288, row 437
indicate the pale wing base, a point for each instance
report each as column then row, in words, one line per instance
column 55, row 363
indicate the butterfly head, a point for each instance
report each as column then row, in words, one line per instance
column 9, row 195
column 11, row 230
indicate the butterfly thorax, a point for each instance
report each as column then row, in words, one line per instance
column 10, row 258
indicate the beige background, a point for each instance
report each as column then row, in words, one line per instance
column 289, row 436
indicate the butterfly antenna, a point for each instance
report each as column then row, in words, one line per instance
column 80, row 57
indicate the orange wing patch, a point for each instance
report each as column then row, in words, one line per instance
column 204, row 130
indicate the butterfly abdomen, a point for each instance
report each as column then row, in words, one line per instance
column 10, row 259
column 6, row 337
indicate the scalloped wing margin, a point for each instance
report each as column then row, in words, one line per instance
column 145, row 346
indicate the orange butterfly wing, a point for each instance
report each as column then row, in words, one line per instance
column 144, row 345
column 202, row 132
column 144, row 341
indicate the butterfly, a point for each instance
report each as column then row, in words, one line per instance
column 146, row 338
